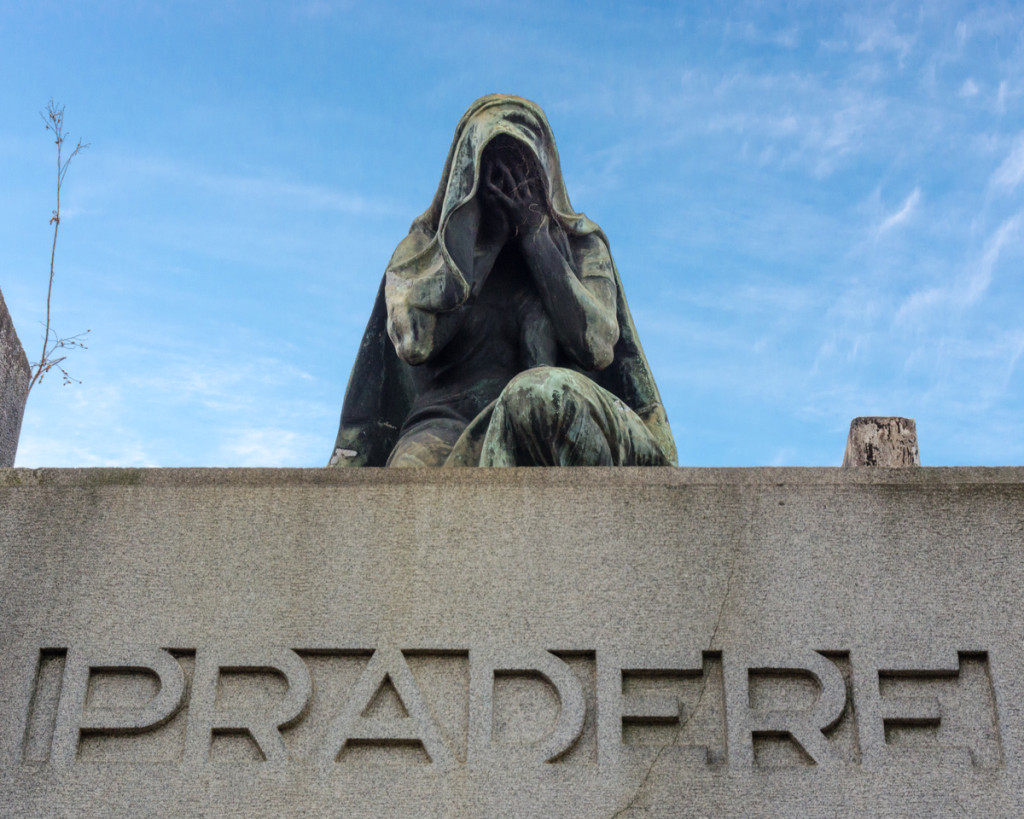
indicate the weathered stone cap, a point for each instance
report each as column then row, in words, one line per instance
column 882, row 441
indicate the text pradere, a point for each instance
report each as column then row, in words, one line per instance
column 488, row 706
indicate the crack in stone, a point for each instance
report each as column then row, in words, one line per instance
column 700, row 698
column 721, row 609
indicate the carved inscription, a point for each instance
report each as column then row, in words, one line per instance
column 446, row 708
column 803, row 724
column 361, row 719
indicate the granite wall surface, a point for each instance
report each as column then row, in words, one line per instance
column 592, row 642
column 14, row 378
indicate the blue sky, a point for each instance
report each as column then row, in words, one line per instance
column 817, row 210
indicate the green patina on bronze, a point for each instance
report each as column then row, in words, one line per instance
column 501, row 335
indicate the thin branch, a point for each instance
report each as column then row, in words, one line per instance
column 53, row 119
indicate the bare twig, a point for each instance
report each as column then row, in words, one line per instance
column 55, row 348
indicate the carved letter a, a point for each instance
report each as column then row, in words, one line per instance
column 387, row 663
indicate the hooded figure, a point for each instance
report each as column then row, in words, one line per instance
column 500, row 335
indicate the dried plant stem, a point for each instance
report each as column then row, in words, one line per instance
column 53, row 119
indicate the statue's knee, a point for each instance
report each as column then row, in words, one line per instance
column 543, row 398
column 530, row 392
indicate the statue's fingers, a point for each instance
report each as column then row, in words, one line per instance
column 508, row 178
column 494, row 173
column 499, row 193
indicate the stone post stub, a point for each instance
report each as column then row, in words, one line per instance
column 14, row 378
column 882, row 441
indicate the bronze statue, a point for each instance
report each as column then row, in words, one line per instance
column 501, row 335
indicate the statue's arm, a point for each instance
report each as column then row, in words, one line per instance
column 580, row 297
column 417, row 328
column 426, row 309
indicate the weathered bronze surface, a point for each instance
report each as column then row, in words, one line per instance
column 500, row 335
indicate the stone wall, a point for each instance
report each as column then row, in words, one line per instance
column 593, row 642
column 14, row 377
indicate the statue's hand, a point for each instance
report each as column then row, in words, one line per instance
column 411, row 330
column 520, row 195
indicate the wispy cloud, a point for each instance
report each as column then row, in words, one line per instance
column 267, row 446
column 94, row 430
column 968, row 288
column 267, row 188
column 905, row 212
column 1011, row 171
column 225, row 384
column 1000, row 104
column 36, row 450
column 787, row 37
column 874, row 33
column 981, row 275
